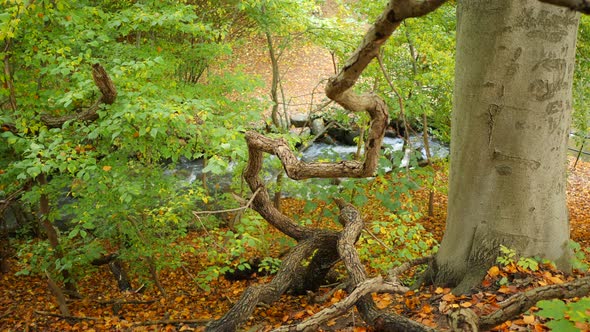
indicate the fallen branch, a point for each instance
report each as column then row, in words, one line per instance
column 69, row 317
column 374, row 285
column 289, row 275
column 521, row 302
column 199, row 322
column 121, row 301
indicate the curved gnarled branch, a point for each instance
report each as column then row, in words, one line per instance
column 339, row 90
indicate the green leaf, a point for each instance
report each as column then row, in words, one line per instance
column 562, row 325
column 552, row 309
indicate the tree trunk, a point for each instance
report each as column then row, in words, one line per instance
column 514, row 68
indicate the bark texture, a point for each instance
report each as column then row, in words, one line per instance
column 514, row 69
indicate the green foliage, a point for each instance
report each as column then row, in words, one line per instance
column 230, row 249
column 579, row 256
column 581, row 116
column 419, row 59
column 509, row 256
column 563, row 316
column 270, row 265
column 112, row 181
column 399, row 239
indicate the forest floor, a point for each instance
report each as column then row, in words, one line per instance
column 26, row 303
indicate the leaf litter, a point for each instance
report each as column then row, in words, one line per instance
column 27, row 304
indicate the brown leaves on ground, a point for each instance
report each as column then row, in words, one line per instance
column 27, row 304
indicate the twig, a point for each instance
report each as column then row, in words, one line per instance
column 400, row 102
column 329, row 294
column 45, row 313
column 330, row 125
column 196, row 213
column 396, row 271
column 192, row 277
column 120, row 301
column 390, row 249
column 6, row 314
column 199, row 322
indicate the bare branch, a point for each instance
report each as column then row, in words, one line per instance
column 247, row 205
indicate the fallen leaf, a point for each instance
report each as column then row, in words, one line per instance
column 494, row 271
column 466, row 304
column 449, row 297
column 528, row 319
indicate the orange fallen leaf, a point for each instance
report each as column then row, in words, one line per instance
column 298, row 314
column 494, row 271
column 449, row 297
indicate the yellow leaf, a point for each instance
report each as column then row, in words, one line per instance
column 528, row 319
column 107, row 168
column 466, row 304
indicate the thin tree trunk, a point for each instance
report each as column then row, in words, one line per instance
column 52, row 235
column 274, row 87
column 8, row 76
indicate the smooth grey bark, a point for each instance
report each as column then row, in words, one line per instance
column 512, row 111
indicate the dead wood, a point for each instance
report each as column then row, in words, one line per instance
column 521, row 302
column 121, row 301
column 108, row 96
column 361, row 287
column 68, row 317
column 193, row 322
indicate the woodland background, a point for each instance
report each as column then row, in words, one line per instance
column 109, row 175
